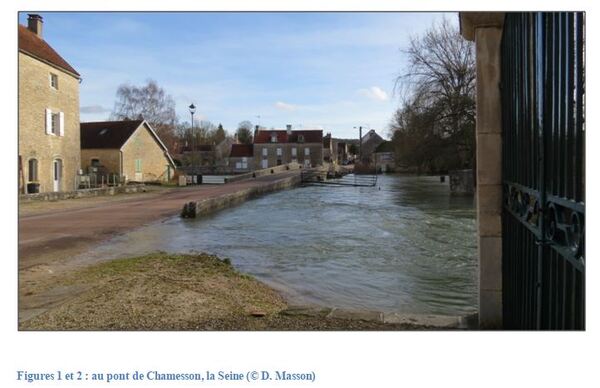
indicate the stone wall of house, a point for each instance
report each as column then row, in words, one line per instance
column 143, row 146
column 35, row 96
column 110, row 159
column 315, row 157
column 232, row 161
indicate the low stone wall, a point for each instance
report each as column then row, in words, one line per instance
column 83, row 193
column 200, row 208
column 263, row 172
column 461, row 182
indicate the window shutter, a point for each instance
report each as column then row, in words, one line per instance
column 61, row 123
column 48, row 122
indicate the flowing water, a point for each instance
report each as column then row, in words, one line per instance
column 406, row 245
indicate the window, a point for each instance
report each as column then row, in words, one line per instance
column 300, row 138
column 278, row 151
column 54, row 81
column 33, row 170
column 307, row 151
column 244, row 163
column 294, row 151
column 95, row 163
column 138, row 165
column 264, row 152
column 55, row 123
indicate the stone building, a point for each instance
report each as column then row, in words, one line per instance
column 275, row 147
column 384, row 158
column 130, row 149
column 368, row 144
column 49, row 154
column 329, row 155
column 241, row 158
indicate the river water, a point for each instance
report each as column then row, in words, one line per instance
column 406, row 245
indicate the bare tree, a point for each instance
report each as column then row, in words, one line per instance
column 244, row 132
column 437, row 118
column 151, row 103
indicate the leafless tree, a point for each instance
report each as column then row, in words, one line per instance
column 151, row 103
column 244, row 132
column 438, row 108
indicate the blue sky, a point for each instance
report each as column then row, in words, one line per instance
column 312, row 70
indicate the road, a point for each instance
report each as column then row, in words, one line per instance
column 42, row 237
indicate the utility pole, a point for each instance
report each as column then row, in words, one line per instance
column 192, row 111
column 360, row 144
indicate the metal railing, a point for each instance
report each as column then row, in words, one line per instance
column 543, row 265
column 320, row 177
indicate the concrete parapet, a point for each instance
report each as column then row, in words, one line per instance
column 264, row 172
column 200, row 208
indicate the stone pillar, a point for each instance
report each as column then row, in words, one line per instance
column 485, row 29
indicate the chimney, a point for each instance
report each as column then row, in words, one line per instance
column 288, row 129
column 34, row 24
column 255, row 131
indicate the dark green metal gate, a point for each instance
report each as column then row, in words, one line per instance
column 543, row 124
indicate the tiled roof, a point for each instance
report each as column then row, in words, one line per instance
column 107, row 134
column 37, row 47
column 310, row 136
column 241, row 150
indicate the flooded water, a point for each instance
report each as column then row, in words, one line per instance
column 406, row 245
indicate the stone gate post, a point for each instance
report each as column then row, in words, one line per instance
column 485, row 29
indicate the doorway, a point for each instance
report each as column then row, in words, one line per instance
column 57, row 174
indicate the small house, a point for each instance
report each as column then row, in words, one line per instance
column 241, row 158
column 130, row 149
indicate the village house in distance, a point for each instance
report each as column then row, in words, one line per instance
column 129, row 149
column 49, row 155
column 274, row 147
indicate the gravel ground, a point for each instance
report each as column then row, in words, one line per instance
column 178, row 292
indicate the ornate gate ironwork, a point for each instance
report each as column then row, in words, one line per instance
column 543, row 124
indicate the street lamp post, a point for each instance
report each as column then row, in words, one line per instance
column 360, row 142
column 192, row 111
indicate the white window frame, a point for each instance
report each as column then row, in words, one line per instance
column 53, row 81
column 265, row 152
column 294, row 151
column 138, row 165
column 306, row 151
column 55, row 123
column 279, row 152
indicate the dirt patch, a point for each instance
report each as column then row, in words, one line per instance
column 176, row 292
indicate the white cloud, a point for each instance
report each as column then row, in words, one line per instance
column 93, row 109
column 374, row 93
column 284, row 106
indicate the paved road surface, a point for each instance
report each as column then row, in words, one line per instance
column 42, row 235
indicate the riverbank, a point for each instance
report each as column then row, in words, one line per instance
column 163, row 291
